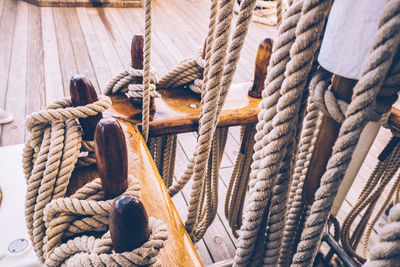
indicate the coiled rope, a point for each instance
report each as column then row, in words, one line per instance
column 86, row 211
column 50, row 156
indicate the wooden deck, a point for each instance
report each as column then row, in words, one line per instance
column 41, row 48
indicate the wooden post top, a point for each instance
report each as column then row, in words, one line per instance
column 179, row 249
column 111, row 157
column 264, row 53
column 137, row 51
column 83, row 93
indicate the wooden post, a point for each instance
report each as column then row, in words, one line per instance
column 111, row 157
column 83, row 93
column 260, row 71
column 137, row 63
column 328, row 133
column 129, row 224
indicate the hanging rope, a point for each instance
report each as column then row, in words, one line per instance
column 386, row 252
column 375, row 70
column 367, row 200
column 50, row 156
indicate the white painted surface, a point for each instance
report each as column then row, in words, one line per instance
column 12, row 220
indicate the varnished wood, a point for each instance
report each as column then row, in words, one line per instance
column 137, row 63
column 129, row 224
column 173, row 113
column 394, row 117
column 328, row 133
column 179, row 249
column 83, row 93
column 111, row 157
column 260, row 70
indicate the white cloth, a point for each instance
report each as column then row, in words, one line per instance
column 350, row 29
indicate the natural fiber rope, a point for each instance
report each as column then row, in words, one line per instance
column 387, row 251
column 61, row 213
column 301, row 58
column 210, row 95
column 375, row 69
column 237, row 188
column 49, row 158
column 123, row 83
column 88, row 251
column 146, row 70
column 379, row 179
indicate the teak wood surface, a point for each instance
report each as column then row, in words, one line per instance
column 173, row 112
column 179, row 249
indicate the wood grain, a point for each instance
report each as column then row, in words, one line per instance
column 173, row 113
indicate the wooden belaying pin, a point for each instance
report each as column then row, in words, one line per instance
column 137, row 63
column 260, row 70
column 111, row 157
column 129, row 224
column 83, row 93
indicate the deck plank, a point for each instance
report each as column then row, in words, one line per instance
column 14, row 133
column 7, row 23
column 53, row 79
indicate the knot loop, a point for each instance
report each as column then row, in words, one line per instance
column 123, row 83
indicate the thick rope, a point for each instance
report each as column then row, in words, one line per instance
column 298, row 67
column 212, row 81
column 88, row 251
column 387, row 251
column 50, row 156
column 375, row 70
column 379, row 179
column 84, row 211
column 295, row 204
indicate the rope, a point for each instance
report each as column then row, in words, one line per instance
column 123, row 83
column 373, row 189
column 277, row 138
column 87, row 210
column 375, row 70
column 295, row 204
column 50, row 156
column 237, row 188
column 211, row 97
column 387, row 251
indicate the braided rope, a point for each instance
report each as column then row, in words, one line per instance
column 88, row 251
column 123, row 83
column 308, row 32
column 387, row 251
column 295, row 204
column 50, row 156
column 83, row 211
column 375, row 69
column 146, row 70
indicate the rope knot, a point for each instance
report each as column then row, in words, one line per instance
column 86, row 211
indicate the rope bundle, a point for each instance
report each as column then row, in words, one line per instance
column 50, row 156
column 188, row 71
column 291, row 64
column 123, row 83
column 85, row 211
column 387, row 251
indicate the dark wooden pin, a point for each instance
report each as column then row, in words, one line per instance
column 111, row 157
column 83, row 93
column 328, row 133
column 137, row 63
column 129, row 224
column 260, row 71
